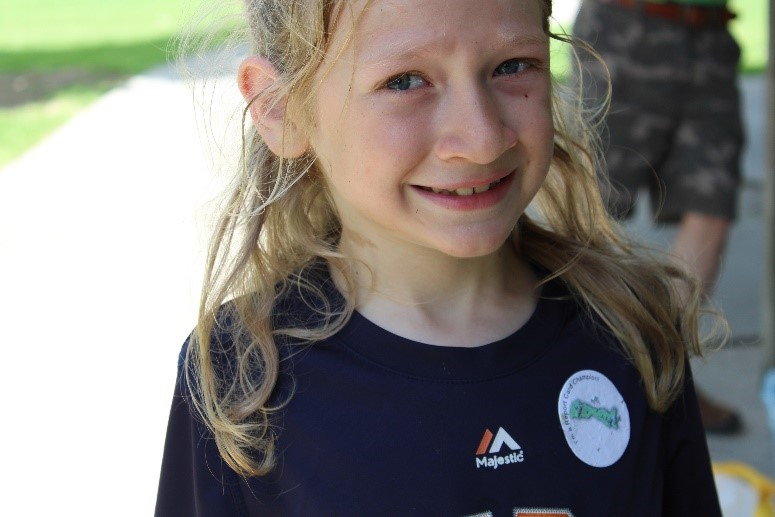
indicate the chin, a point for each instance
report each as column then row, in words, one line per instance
column 475, row 247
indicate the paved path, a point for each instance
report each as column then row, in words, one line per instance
column 100, row 252
column 101, row 238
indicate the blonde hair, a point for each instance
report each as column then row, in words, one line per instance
column 278, row 220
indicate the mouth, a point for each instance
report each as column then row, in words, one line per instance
column 465, row 191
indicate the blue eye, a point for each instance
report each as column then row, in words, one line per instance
column 512, row 66
column 405, row 82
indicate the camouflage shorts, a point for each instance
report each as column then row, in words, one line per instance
column 675, row 123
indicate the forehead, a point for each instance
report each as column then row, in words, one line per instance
column 374, row 23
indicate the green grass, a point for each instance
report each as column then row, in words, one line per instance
column 95, row 44
column 27, row 25
column 123, row 57
column 103, row 41
column 27, row 124
column 751, row 31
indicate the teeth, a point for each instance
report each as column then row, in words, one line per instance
column 464, row 191
column 482, row 189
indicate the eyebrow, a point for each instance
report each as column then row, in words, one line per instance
column 401, row 50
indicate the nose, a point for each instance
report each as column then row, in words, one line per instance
column 472, row 126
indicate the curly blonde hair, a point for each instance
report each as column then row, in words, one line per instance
column 279, row 218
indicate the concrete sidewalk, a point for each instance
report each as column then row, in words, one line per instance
column 101, row 249
column 101, row 245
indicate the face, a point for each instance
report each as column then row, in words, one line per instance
column 433, row 124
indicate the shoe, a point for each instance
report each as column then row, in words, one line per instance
column 718, row 419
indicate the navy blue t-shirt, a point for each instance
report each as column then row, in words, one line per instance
column 552, row 421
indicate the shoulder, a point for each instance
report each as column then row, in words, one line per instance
column 576, row 313
column 307, row 299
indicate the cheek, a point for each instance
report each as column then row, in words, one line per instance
column 392, row 133
column 373, row 150
column 538, row 127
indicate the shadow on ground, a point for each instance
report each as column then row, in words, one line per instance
column 29, row 76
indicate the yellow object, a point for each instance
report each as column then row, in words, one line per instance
column 743, row 491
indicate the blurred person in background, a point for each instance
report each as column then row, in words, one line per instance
column 674, row 126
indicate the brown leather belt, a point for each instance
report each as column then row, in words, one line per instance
column 693, row 15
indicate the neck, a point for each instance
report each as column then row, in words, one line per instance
column 434, row 298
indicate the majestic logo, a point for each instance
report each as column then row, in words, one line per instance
column 489, row 451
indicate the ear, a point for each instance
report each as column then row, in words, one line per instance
column 259, row 82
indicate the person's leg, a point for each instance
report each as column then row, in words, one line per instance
column 701, row 176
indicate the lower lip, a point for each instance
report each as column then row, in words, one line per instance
column 475, row 201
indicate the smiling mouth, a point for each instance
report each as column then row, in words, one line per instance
column 466, row 191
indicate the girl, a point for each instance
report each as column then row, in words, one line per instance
column 401, row 336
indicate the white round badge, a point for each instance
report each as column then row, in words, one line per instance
column 594, row 417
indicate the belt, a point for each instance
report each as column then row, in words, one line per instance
column 692, row 15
